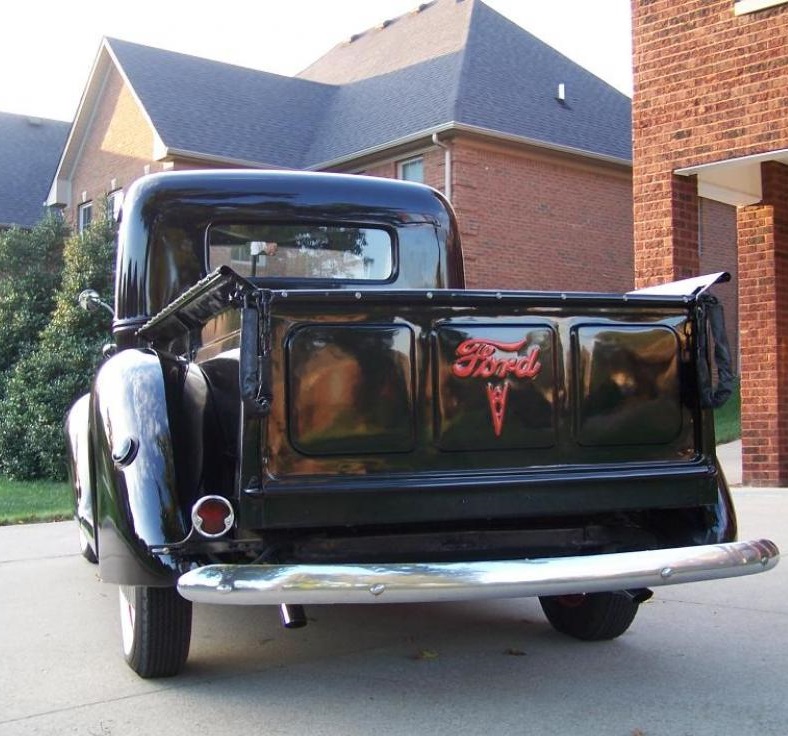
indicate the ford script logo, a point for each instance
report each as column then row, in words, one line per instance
column 502, row 360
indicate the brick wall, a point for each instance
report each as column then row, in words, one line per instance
column 711, row 86
column 707, row 86
column 530, row 220
column 706, row 81
column 763, row 265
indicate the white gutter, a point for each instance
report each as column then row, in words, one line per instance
column 431, row 133
column 168, row 152
column 462, row 128
column 446, row 165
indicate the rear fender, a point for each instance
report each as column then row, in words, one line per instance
column 139, row 498
column 721, row 523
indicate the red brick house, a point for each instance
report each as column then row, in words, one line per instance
column 710, row 134
column 533, row 150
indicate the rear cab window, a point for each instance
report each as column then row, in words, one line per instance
column 302, row 251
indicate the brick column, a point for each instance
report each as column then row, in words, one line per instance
column 666, row 229
column 763, row 316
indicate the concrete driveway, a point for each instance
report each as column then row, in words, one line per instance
column 707, row 658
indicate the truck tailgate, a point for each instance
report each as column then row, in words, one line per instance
column 416, row 406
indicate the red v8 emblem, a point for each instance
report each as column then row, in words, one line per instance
column 496, row 395
column 481, row 359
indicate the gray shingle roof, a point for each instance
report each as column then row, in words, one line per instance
column 30, row 149
column 509, row 84
column 387, row 108
column 224, row 110
column 430, row 30
column 502, row 79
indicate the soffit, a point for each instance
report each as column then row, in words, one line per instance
column 735, row 181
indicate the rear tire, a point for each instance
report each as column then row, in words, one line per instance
column 85, row 548
column 156, row 624
column 590, row 617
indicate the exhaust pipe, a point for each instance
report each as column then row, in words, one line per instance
column 292, row 615
column 640, row 595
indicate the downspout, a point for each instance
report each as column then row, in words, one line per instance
column 446, row 165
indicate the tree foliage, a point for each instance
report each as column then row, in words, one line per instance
column 31, row 266
column 47, row 379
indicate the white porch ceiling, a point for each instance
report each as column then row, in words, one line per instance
column 735, row 181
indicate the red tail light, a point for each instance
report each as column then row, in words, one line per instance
column 212, row 516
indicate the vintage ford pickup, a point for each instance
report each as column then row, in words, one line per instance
column 304, row 405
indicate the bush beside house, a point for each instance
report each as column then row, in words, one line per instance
column 31, row 267
column 46, row 377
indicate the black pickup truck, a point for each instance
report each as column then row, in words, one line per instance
column 304, row 405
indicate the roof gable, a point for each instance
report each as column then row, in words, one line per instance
column 225, row 111
column 29, row 153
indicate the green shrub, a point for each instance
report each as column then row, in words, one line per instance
column 31, row 266
column 45, row 382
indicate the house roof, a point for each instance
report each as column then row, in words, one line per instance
column 225, row 111
column 499, row 79
column 430, row 30
column 510, row 83
column 451, row 64
column 29, row 151
column 386, row 109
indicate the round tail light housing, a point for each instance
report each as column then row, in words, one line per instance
column 212, row 516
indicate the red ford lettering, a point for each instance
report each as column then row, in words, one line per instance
column 477, row 358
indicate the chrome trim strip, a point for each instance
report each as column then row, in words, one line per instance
column 452, row 581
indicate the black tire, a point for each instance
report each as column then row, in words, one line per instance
column 156, row 625
column 85, row 548
column 590, row 617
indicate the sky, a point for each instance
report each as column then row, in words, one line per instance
column 48, row 47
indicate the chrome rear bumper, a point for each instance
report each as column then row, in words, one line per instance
column 453, row 581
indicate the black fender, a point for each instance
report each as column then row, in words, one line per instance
column 148, row 456
column 79, row 469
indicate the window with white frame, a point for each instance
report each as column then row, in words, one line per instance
column 412, row 170
column 114, row 201
column 84, row 216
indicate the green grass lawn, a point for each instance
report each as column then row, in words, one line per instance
column 30, row 501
